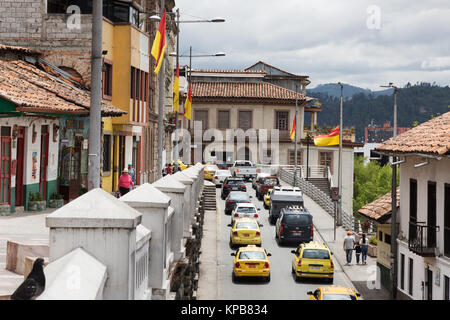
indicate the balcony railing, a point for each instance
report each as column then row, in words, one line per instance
column 422, row 239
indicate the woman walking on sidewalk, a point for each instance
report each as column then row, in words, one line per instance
column 357, row 251
column 364, row 247
column 125, row 182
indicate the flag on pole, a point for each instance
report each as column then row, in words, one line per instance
column 176, row 91
column 159, row 44
column 187, row 105
column 330, row 139
column 292, row 133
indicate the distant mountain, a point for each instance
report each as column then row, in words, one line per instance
column 415, row 104
column 348, row 91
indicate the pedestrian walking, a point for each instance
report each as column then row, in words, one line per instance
column 364, row 248
column 132, row 173
column 349, row 244
column 357, row 251
column 125, row 182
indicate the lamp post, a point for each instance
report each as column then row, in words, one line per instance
column 394, row 266
column 339, row 220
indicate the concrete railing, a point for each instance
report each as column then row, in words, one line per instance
column 126, row 248
column 317, row 195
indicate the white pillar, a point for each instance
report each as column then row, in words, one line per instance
column 188, row 202
column 105, row 228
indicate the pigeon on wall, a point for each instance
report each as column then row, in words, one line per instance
column 33, row 285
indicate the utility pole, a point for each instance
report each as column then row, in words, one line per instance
column 175, row 156
column 339, row 221
column 295, row 135
column 162, row 73
column 95, row 119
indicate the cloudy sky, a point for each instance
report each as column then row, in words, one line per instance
column 364, row 43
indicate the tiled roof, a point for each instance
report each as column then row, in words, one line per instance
column 18, row 49
column 270, row 66
column 34, row 90
column 378, row 209
column 431, row 137
column 229, row 71
column 244, row 90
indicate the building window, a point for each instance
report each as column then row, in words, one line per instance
column 326, row 159
column 380, row 235
column 446, row 288
column 292, row 157
column 431, row 214
column 106, row 153
column 282, row 120
column 244, row 120
column 202, row 116
column 447, row 220
column 107, row 80
column 410, row 283
column 387, row 238
column 223, row 119
column 412, row 208
column 402, row 271
column 60, row 6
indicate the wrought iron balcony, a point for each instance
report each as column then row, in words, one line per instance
column 422, row 239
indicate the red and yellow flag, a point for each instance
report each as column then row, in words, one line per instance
column 176, row 91
column 159, row 44
column 187, row 105
column 330, row 139
column 292, row 133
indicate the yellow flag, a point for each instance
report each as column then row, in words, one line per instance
column 176, row 91
column 187, row 105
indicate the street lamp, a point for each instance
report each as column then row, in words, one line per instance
column 394, row 204
column 339, row 222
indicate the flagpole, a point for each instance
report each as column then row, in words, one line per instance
column 339, row 221
column 175, row 156
column 295, row 136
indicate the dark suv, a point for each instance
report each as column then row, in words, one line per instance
column 235, row 197
column 295, row 224
column 232, row 184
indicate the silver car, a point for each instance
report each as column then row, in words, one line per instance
column 220, row 176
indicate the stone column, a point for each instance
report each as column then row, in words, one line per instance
column 176, row 191
column 105, row 228
column 188, row 202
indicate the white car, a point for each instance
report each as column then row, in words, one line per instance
column 245, row 210
column 220, row 176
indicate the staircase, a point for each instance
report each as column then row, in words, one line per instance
column 322, row 184
column 209, row 194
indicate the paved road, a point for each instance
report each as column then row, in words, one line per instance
column 282, row 284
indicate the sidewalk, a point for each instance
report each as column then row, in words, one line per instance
column 359, row 275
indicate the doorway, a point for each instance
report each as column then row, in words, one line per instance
column 5, row 168
column 429, row 284
column 43, row 162
column 20, row 165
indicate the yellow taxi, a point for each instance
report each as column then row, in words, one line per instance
column 312, row 260
column 209, row 171
column 182, row 165
column 245, row 231
column 333, row 293
column 251, row 261
column 267, row 199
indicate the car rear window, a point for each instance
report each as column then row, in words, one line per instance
column 315, row 254
column 239, row 196
column 242, row 164
column 223, row 172
column 297, row 219
column 246, row 225
column 252, row 255
column 338, row 297
column 210, row 168
column 246, row 209
column 235, row 182
column 270, row 181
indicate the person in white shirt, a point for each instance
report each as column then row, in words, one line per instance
column 349, row 244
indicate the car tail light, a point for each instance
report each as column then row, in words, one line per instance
column 236, row 215
column 235, row 233
column 258, row 233
column 299, row 262
column 331, row 264
column 237, row 265
column 266, row 265
column 237, row 170
column 216, row 177
column 243, row 186
column 247, row 202
column 312, row 230
column 226, row 186
column 229, row 201
column 255, row 215
column 281, row 228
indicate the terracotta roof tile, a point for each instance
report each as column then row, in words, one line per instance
column 245, row 90
column 34, row 90
column 432, row 137
column 18, row 49
column 380, row 207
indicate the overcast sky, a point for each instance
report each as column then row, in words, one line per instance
column 360, row 42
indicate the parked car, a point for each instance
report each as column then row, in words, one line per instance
column 280, row 199
column 235, row 197
column 220, row 176
column 265, row 184
column 209, row 170
column 258, row 178
column 244, row 169
column 251, row 261
column 333, row 293
column 232, row 184
column 245, row 210
column 295, row 224
column 312, row 260
column 245, row 231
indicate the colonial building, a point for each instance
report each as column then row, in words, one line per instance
column 424, row 216
column 35, row 109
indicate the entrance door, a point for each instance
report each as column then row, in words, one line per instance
column 429, row 284
column 5, row 170
column 43, row 162
column 20, row 165
column 75, row 168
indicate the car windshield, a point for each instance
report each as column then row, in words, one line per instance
column 316, row 254
column 247, row 225
column 246, row 209
column 298, row 219
column 338, row 297
column 252, row 255
column 270, row 181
